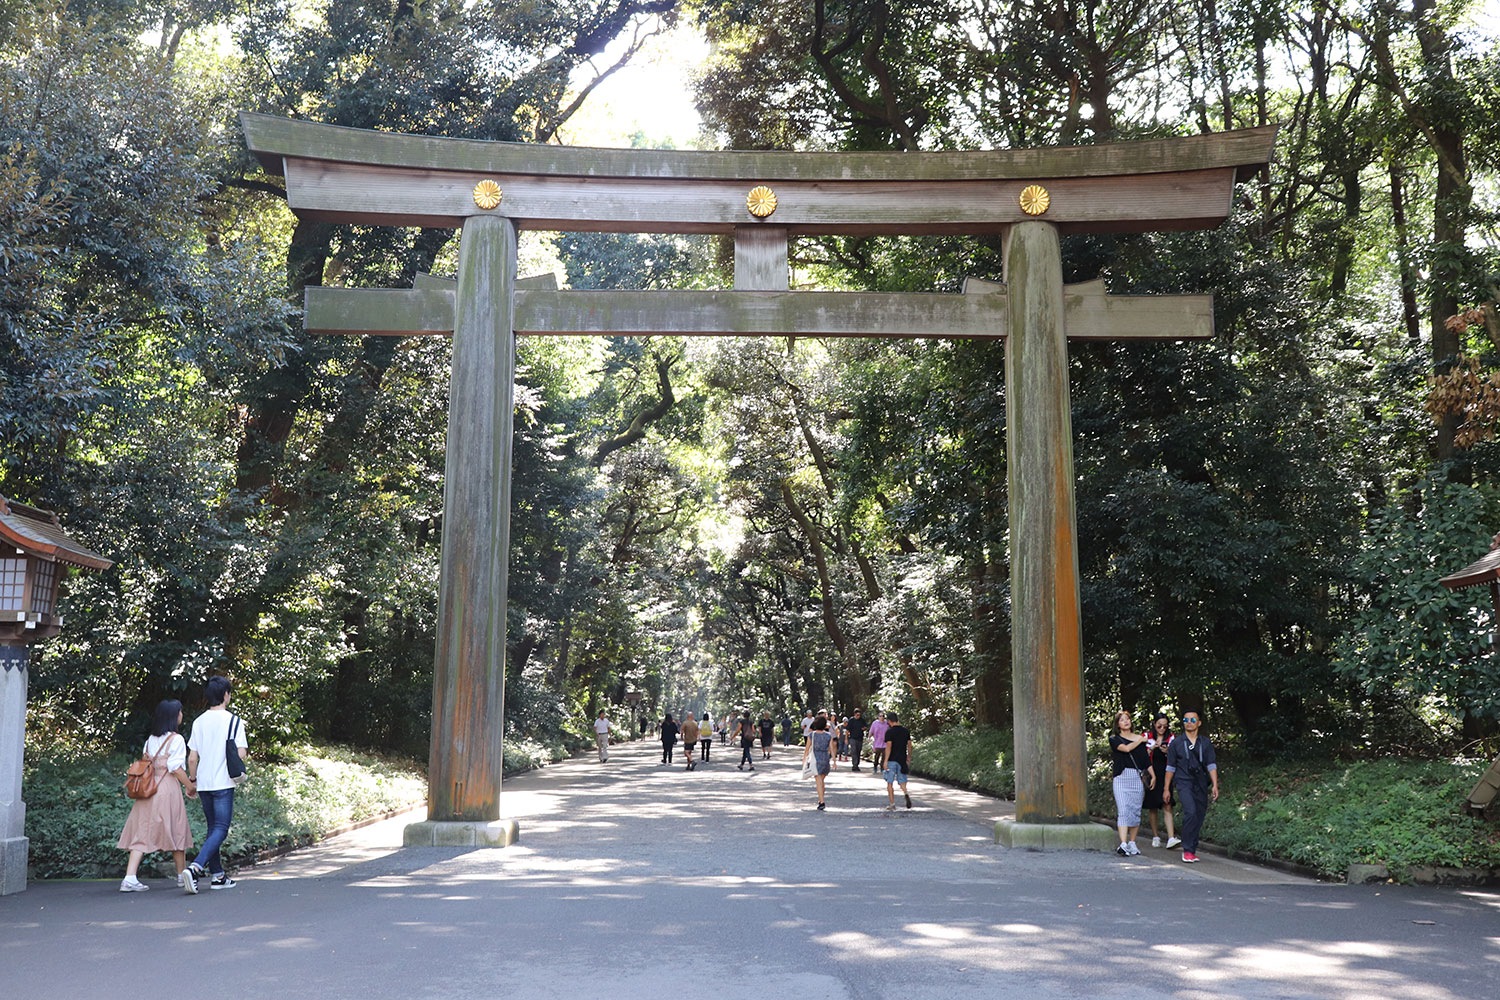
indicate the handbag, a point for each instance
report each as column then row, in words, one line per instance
column 807, row 767
column 232, row 761
column 140, row 777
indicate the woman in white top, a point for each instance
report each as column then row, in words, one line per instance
column 160, row 823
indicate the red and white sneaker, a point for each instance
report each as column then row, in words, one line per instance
column 1189, row 857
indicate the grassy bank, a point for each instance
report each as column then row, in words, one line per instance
column 1325, row 814
column 75, row 807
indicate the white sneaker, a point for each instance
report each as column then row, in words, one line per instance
column 1173, row 842
column 129, row 884
column 1155, row 841
column 1131, row 849
column 187, row 882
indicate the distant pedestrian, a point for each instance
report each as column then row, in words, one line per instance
column 1191, row 761
column 160, row 823
column 1157, row 799
column 786, row 730
column 208, row 767
column 601, row 736
column 843, row 735
column 877, row 741
column 807, row 723
column 689, row 737
column 820, row 748
column 745, row 730
column 897, row 765
column 722, row 728
column 1131, row 763
column 705, row 735
column 767, row 734
column 856, row 727
column 668, row 738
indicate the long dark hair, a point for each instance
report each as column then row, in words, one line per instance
column 165, row 719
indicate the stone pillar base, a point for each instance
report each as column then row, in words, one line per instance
column 1056, row 836
column 461, row 833
column 13, row 852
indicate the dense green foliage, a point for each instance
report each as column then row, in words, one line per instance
column 970, row 758
column 1401, row 812
column 777, row 522
column 76, row 806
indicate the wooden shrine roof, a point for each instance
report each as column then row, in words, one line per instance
column 38, row 533
column 1478, row 573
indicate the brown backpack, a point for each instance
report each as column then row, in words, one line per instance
column 140, row 779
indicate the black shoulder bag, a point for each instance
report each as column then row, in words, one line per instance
column 232, row 761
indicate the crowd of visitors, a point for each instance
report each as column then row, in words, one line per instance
column 828, row 739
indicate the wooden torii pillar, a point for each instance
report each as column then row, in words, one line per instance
column 491, row 190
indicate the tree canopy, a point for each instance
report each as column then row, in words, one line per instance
column 782, row 521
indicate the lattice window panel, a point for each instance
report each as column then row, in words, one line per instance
column 42, row 588
column 12, row 584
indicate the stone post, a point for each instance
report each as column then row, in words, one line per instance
column 13, row 842
column 1046, row 668
column 468, row 679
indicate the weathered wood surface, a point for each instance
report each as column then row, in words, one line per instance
column 403, row 196
column 1046, row 632
column 546, row 280
column 271, row 138
column 760, row 262
column 1090, row 314
column 468, row 682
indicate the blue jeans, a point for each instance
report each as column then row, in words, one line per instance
column 218, row 809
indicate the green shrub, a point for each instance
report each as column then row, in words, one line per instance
column 1325, row 814
column 979, row 759
column 75, row 807
column 1397, row 812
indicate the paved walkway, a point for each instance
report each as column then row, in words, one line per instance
column 636, row 880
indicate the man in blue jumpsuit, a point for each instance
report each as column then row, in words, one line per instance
column 1191, row 762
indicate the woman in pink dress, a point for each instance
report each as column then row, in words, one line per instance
column 160, row 823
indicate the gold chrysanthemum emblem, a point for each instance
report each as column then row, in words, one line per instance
column 761, row 201
column 1035, row 199
column 487, row 194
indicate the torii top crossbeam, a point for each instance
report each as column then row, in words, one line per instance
column 377, row 178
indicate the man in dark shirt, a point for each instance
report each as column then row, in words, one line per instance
column 856, row 727
column 898, row 745
column 1193, row 767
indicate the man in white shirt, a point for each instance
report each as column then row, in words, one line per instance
column 207, row 765
column 601, row 736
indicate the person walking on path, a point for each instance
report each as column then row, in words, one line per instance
column 1191, row 761
column 705, row 736
column 745, row 730
column 1131, row 762
column 897, row 763
column 1157, row 800
column 856, row 729
column 877, row 741
column 668, row 738
column 601, row 736
column 689, row 737
column 767, row 734
column 807, row 723
column 843, row 734
column 786, row 730
column 160, row 823
column 820, row 748
column 208, row 768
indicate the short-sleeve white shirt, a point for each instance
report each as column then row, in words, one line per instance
column 601, row 726
column 176, row 755
column 210, row 730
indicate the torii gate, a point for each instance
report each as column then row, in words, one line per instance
column 490, row 190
